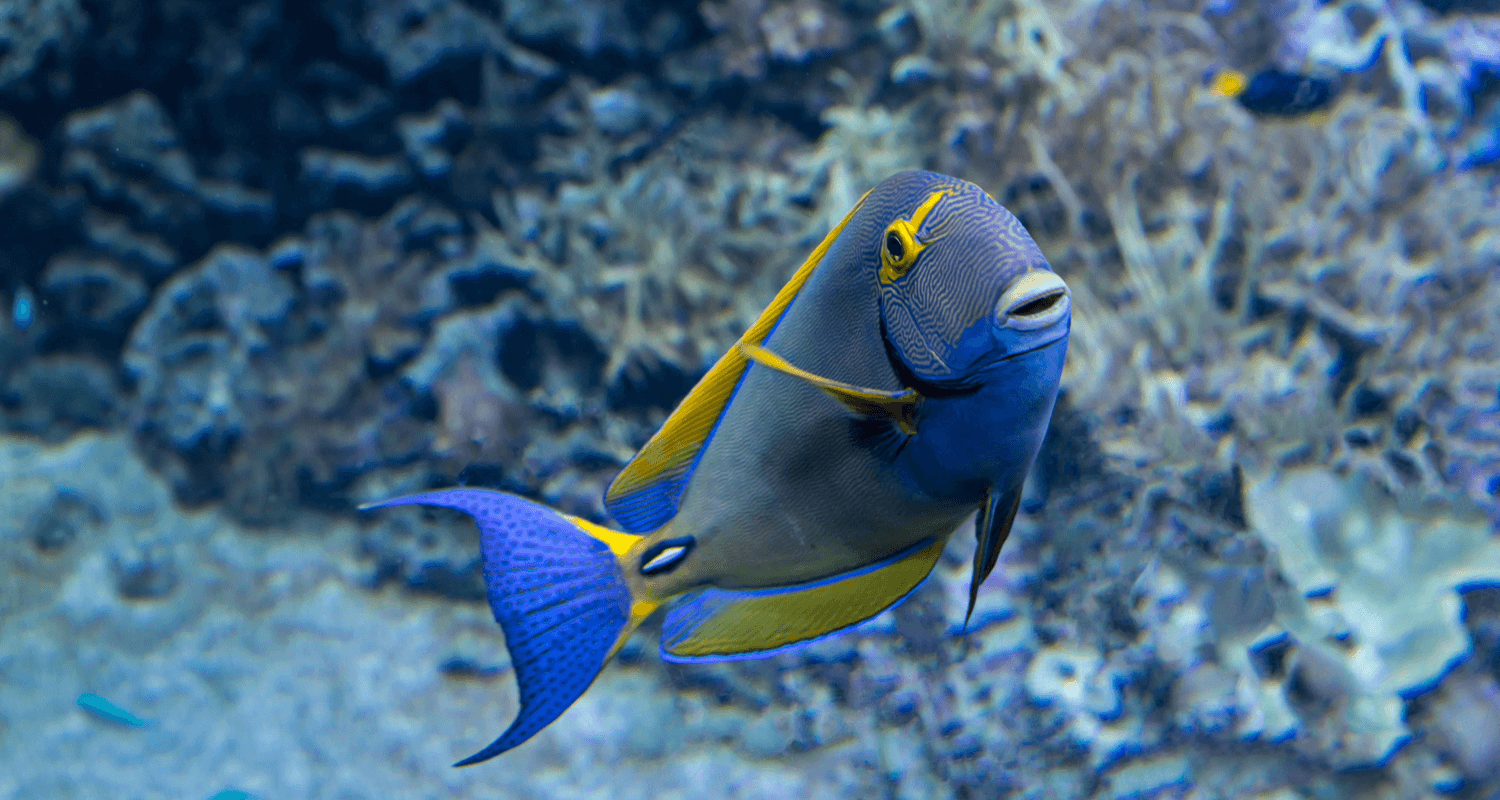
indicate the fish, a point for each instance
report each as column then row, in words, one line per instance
column 901, row 381
column 1273, row 92
column 107, row 710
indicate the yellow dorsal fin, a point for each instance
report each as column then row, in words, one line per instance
column 899, row 407
column 645, row 494
column 728, row 624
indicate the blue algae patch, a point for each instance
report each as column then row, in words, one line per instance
column 106, row 710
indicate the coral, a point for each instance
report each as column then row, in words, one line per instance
column 127, row 153
column 1467, row 702
column 18, row 156
column 330, row 169
column 661, row 263
column 29, row 30
column 94, row 297
column 1473, row 46
column 57, row 396
column 204, row 325
column 128, row 157
column 60, row 373
column 264, row 378
column 1088, row 693
column 413, row 38
column 1376, row 592
column 424, row 136
column 790, row 58
column 751, row 34
column 596, row 28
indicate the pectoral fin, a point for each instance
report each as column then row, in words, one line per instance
column 898, row 407
column 993, row 525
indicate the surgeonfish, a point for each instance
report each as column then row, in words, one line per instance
column 901, row 380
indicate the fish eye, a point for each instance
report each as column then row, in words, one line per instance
column 894, row 247
column 899, row 251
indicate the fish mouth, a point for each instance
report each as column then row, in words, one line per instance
column 1036, row 301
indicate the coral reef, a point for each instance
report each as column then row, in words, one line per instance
column 263, row 378
column 1378, row 593
column 293, row 256
column 31, row 30
column 18, row 156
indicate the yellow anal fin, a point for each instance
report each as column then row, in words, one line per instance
column 725, row 624
column 899, row 407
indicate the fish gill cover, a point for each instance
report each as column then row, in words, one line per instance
column 283, row 257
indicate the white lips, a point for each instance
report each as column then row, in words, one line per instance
column 1034, row 286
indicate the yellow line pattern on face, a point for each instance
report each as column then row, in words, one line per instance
column 673, row 447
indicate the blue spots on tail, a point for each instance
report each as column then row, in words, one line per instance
column 558, row 594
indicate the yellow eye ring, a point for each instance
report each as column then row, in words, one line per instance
column 899, row 247
column 898, row 251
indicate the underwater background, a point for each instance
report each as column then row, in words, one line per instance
column 264, row 260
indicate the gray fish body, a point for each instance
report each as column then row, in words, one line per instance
column 786, row 490
column 783, row 493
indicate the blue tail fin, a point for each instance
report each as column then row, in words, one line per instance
column 557, row 592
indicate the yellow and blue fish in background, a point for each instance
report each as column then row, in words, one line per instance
column 1273, row 92
column 903, row 378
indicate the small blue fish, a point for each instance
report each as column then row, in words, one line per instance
column 104, row 709
column 902, row 380
column 23, row 309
